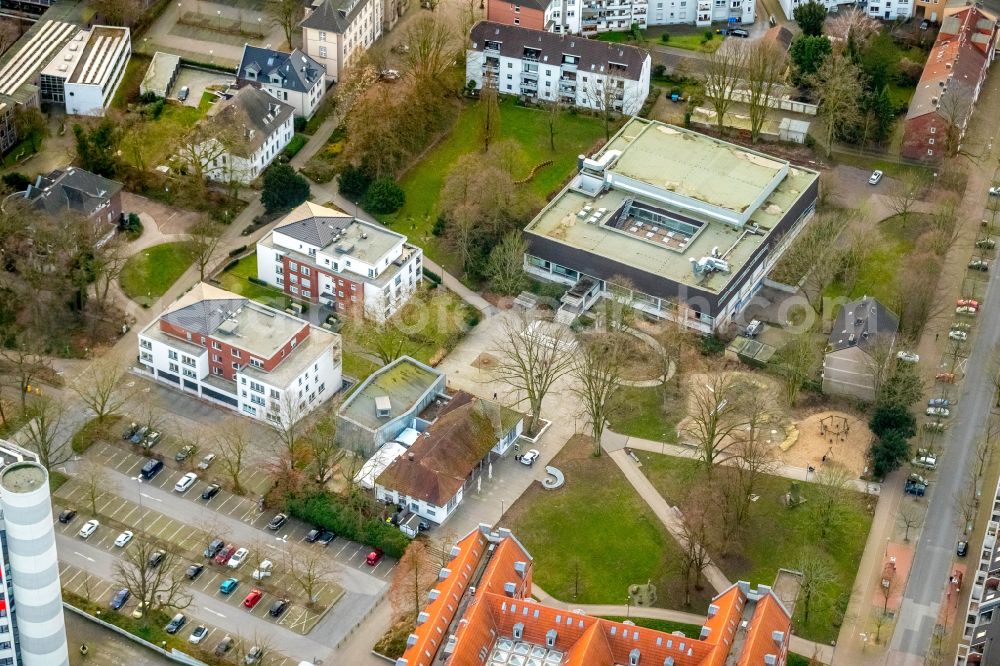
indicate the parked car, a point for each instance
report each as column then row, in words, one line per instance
column 175, row 624
column 198, row 635
column 130, row 430
column 961, row 326
column 185, row 453
column 183, row 94
column 137, row 613
column 962, row 549
column 529, row 458
column 151, row 439
column 939, row 402
column 223, row 555
column 960, row 336
column 941, row 412
column 875, row 178
column 915, row 488
column 151, row 468
column 214, row 546
column 227, row 586
column 967, row 302
column 374, row 557
column 945, row 377
column 925, row 24
column 88, row 528
column 238, row 558
column 986, row 243
column 120, row 599
column 67, row 516
column 907, row 357
column 253, row 598
column 139, row 434
column 925, row 459
column 277, row 521
column 934, row 426
column 156, row 558
column 194, row 571
column 124, row 538
column 995, row 191
column 967, row 310
column 224, row 646
column 313, row 535
column 389, row 74
column 206, row 461
column 278, row 607
column 185, row 482
column 979, row 265
column 210, row 491
column 263, row 570
column 738, row 32
column 325, row 537
column 254, row 656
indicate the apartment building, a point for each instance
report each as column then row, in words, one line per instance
column 32, row 628
column 293, row 78
column 980, row 640
column 334, row 32
column 325, row 256
column 481, row 611
column 242, row 355
column 550, row 67
column 887, row 10
column 266, row 126
column 85, row 74
column 590, row 17
column 950, row 84
column 692, row 223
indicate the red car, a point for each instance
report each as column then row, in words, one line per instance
column 253, row 598
column 374, row 557
column 967, row 302
column 225, row 554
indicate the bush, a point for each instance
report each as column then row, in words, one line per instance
column 712, row 345
column 148, row 97
column 257, row 280
column 892, row 417
column 665, row 37
column 384, row 197
column 334, row 513
column 297, row 143
column 708, row 36
column 17, row 182
column 283, row 188
column 131, row 225
column 237, row 250
column 659, row 70
column 432, row 276
column 354, row 182
column 300, row 123
column 440, row 224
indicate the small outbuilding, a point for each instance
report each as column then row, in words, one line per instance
column 161, row 74
column 861, row 341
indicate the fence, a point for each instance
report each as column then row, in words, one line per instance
column 173, row 655
column 743, row 96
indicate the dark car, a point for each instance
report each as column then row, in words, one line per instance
column 915, row 488
column 139, row 434
column 183, row 94
column 130, row 430
column 278, row 607
column 224, row 646
column 67, row 516
column 738, row 32
column 963, row 548
column 325, row 537
column 277, row 521
column 151, row 468
column 156, row 558
column 223, row 555
column 210, row 491
column 194, row 571
column 185, row 453
column 175, row 624
column 313, row 535
column 120, row 598
column 214, row 547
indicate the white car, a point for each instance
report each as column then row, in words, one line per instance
column 942, row 412
column 238, row 558
column 198, row 635
column 995, row 191
column 186, row 482
column 124, row 538
column 263, row 570
column 89, row 528
column 908, row 357
column 961, row 336
column 206, row 461
column 925, row 459
column 875, row 178
column 529, row 458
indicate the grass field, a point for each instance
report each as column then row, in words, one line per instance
column 757, row 559
column 527, row 127
column 595, row 536
column 160, row 136
column 642, row 412
column 691, row 41
column 149, row 274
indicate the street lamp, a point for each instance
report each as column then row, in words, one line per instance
column 219, row 14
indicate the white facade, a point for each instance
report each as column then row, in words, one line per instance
column 426, row 510
column 304, row 103
column 34, row 624
column 587, row 90
column 287, row 403
column 589, row 17
column 87, row 71
column 888, row 10
column 228, row 167
column 336, row 32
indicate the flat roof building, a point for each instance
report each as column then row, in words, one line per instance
column 691, row 223
column 88, row 70
column 160, row 75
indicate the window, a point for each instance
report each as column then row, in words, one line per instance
column 306, row 294
column 517, row 21
column 250, row 410
column 322, row 52
column 236, row 366
column 322, row 36
column 145, row 344
column 292, row 266
column 294, row 290
column 930, row 141
column 279, row 269
column 173, row 367
column 933, row 130
column 146, row 356
column 172, row 355
column 187, row 360
column 236, row 353
column 216, row 358
column 312, row 396
column 275, row 395
column 322, row 387
column 257, row 399
column 294, row 342
column 256, row 362
column 305, row 283
column 216, row 345
column 216, row 371
column 930, row 152
column 190, row 373
column 256, row 386
column 305, row 270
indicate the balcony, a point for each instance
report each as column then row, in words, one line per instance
column 531, row 86
column 531, row 56
column 491, row 70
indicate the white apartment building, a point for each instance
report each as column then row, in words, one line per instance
column 589, row 17
column 85, row 74
column 293, row 78
column 322, row 255
column 887, row 10
column 551, row 67
column 334, row 32
column 242, row 355
column 32, row 629
column 267, row 126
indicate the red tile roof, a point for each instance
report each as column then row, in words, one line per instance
column 769, row 616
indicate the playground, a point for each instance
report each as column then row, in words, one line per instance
column 827, row 437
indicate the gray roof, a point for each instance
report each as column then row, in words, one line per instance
column 204, row 316
column 253, row 109
column 333, row 15
column 594, row 55
column 290, row 71
column 74, row 189
column 861, row 322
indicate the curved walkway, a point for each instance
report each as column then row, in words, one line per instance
column 648, row 383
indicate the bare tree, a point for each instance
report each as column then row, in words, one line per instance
column 310, row 569
column 905, row 194
column 854, row 24
column 887, row 587
column 954, row 109
column 765, row 65
column 94, row 479
column 25, row 366
column 816, row 577
column 838, row 86
column 505, row 267
column 99, row 388
column 695, row 539
column 155, row 586
column 797, row 362
column 597, row 369
column 610, row 99
column 415, row 574
column 909, row 517
column 619, row 307
column 967, row 501
column 204, row 243
column 107, row 265
column 234, row 444
column 830, row 496
column 41, row 433
column 723, row 70
column 553, row 116
column 752, row 457
column 532, row 356
column 715, row 415
column 322, row 444
column 285, row 13
column 489, row 100
column 881, row 362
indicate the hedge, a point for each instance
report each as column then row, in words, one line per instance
column 432, row 276
column 331, row 512
column 295, row 145
column 237, row 250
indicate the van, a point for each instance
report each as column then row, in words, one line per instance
column 151, row 468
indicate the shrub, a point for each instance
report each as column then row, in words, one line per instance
column 384, row 196
column 297, row 143
column 283, row 188
column 148, row 97
column 334, row 513
column 659, row 70
column 17, row 182
column 131, row 225
column 665, row 37
column 257, row 280
column 354, row 182
column 237, row 250
column 439, row 226
column 432, row 276
column 708, row 36
column 300, row 123
column 712, row 345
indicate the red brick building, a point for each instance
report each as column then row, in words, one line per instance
column 525, row 13
column 950, row 84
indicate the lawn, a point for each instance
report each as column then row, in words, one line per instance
column 576, row 134
column 149, row 274
column 595, row 536
column 160, row 136
column 642, row 412
column 128, row 89
column 237, row 280
column 691, row 41
column 757, row 559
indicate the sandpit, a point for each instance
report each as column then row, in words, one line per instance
column 841, row 437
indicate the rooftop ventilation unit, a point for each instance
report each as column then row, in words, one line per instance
column 383, row 406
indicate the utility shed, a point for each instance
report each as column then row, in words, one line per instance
column 161, row 74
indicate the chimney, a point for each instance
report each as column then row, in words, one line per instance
column 409, row 456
